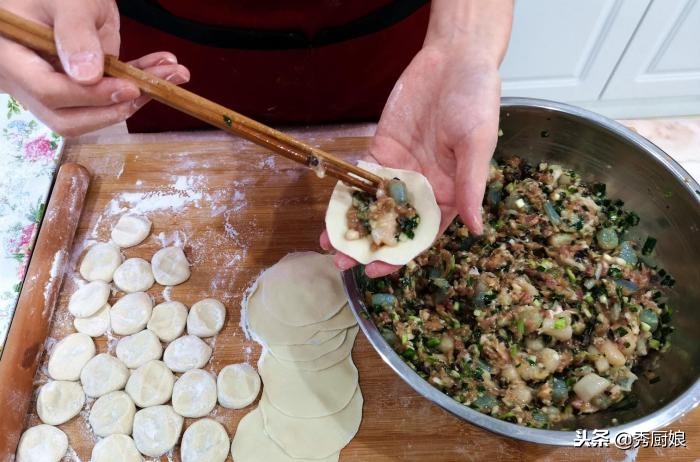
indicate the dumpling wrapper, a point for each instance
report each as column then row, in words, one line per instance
column 420, row 195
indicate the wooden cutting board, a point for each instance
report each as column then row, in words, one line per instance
column 236, row 210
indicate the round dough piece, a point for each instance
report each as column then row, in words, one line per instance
column 237, row 385
column 100, row 262
column 206, row 318
column 42, row 443
column 137, row 349
column 204, row 440
column 185, row 353
column 313, row 438
column 168, row 320
column 330, row 358
column 102, row 374
column 268, row 329
column 59, row 401
column 301, row 393
column 308, row 351
column 88, row 300
column 131, row 313
column 131, row 230
column 151, row 384
column 70, row 355
column 116, row 448
column 156, row 430
column 95, row 325
column 170, row 266
column 251, row 443
column 194, row 393
column 134, row 275
column 303, row 288
column 420, row 195
column 112, row 414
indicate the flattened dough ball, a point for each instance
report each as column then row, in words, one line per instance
column 328, row 359
column 131, row 313
column 185, row 353
column 268, row 329
column 102, row 374
column 206, row 318
column 131, row 230
column 95, row 325
column 156, row 430
column 42, row 443
column 100, row 262
column 59, row 401
column 251, row 443
column 237, row 385
column 112, row 414
column 88, row 300
column 137, row 349
column 168, row 320
column 420, row 195
column 204, row 440
column 302, row 289
column 70, row 355
column 116, row 448
column 313, row 438
column 194, row 393
column 134, row 275
column 308, row 393
column 151, row 384
column 170, row 266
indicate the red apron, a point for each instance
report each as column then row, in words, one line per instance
column 279, row 61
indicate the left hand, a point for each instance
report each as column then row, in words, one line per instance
column 441, row 120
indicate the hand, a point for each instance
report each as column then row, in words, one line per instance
column 441, row 120
column 79, row 100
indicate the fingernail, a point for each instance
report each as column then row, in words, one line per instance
column 123, row 95
column 166, row 60
column 83, row 65
column 175, row 78
column 140, row 102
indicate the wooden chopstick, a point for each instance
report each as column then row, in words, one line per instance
column 40, row 38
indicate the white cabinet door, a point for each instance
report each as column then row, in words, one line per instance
column 567, row 49
column 662, row 62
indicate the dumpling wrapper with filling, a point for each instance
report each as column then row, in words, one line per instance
column 420, row 196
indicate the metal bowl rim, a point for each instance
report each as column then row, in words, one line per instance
column 673, row 410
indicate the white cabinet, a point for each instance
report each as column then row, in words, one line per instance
column 623, row 58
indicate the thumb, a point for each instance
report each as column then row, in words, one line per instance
column 473, row 158
column 78, row 42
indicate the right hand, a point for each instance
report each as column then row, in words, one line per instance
column 79, row 99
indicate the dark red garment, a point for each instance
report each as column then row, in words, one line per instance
column 279, row 61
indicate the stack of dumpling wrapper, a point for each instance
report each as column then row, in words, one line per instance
column 311, row 406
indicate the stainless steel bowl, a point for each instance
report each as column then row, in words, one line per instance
column 668, row 201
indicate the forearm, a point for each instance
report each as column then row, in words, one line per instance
column 478, row 28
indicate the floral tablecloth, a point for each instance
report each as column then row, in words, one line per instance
column 29, row 156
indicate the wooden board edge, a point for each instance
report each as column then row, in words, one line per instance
column 35, row 307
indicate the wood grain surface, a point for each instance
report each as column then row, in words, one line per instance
column 236, row 210
column 35, row 307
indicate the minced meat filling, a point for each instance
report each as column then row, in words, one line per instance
column 384, row 218
column 544, row 316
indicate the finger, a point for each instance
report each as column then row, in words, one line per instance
column 154, row 59
column 77, row 121
column 378, row 269
column 473, row 157
column 447, row 215
column 343, row 262
column 78, row 41
column 325, row 241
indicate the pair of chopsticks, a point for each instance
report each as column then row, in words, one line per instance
column 40, row 38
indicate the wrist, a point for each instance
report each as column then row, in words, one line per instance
column 471, row 28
